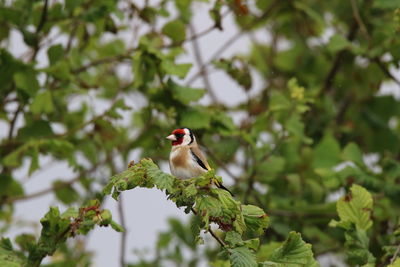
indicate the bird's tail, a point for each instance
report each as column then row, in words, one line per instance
column 219, row 185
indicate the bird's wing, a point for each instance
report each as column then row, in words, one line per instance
column 202, row 161
column 200, row 158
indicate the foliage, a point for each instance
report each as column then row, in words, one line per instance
column 90, row 83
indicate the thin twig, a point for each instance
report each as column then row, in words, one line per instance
column 124, row 233
column 251, row 179
column 358, row 19
column 42, row 192
column 395, row 255
column 233, row 39
column 102, row 61
column 198, row 35
column 54, row 187
column 219, row 240
column 328, row 82
column 200, row 63
column 14, row 120
column 217, row 53
column 386, row 71
column 39, row 28
column 222, row 165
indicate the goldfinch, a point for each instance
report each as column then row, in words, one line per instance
column 186, row 159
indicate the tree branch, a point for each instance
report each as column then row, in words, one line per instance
column 386, row 71
column 357, row 17
column 124, row 233
column 42, row 192
column 330, row 77
column 14, row 120
column 395, row 255
column 42, row 21
column 102, row 61
column 203, row 69
column 219, row 240
column 233, row 39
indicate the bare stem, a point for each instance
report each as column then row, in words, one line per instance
column 203, row 69
column 395, row 255
column 219, row 240
column 124, row 233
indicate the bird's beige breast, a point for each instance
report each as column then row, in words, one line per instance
column 182, row 164
column 180, row 157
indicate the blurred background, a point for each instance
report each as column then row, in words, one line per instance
column 293, row 101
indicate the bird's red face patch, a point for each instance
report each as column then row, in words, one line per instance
column 179, row 134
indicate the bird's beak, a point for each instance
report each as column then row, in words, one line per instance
column 171, row 137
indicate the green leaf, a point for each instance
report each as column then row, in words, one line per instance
column 252, row 244
column 185, row 95
column 294, row 252
column 295, row 126
column 356, row 207
column 242, row 257
column 207, row 206
column 278, row 101
column 195, row 118
column 239, row 74
column 161, row 179
column 396, row 263
column 27, row 82
column 356, row 244
column 10, row 258
column 175, row 30
column 65, row 192
column 117, row 227
column 233, row 238
column 55, row 53
column 172, row 68
column 386, row 4
column 255, row 218
column 42, row 103
column 34, row 160
column 326, row 153
column 337, row 43
column 353, row 153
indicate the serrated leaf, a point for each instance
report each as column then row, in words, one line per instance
column 357, row 243
column 242, row 257
column 255, row 218
column 356, row 207
column 233, row 238
column 161, row 179
column 252, row 244
column 10, row 258
column 294, row 252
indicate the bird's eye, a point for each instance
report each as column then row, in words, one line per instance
column 179, row 135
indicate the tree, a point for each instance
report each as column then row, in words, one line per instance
column 304, row 137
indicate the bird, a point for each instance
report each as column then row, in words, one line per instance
column 186, row 160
